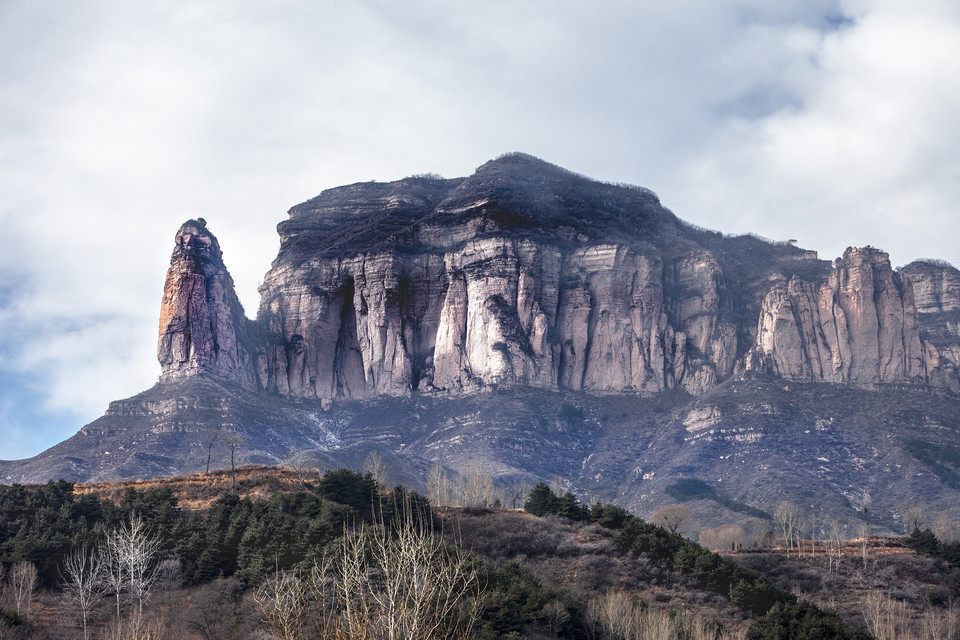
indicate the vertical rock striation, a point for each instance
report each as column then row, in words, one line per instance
column 859, row 326
column 524, row 274
column 202, row 325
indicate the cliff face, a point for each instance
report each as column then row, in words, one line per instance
column 861, row 326
column 202, row 324
column 526, row 275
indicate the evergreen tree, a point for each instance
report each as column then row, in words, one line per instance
column 542, row 501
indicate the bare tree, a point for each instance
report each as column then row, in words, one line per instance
column 208, row 439
column 376, row 467
column 864, row 541
column 23, row 581
column 303, row 465
column 617, row 615
column 723, row 538
column 811, row 524
column 837, row 530
column 234, row 441
column 865, row 507
column 283, row 599
column 478, row 486
column 518, row 493
column 438, row 484
column 786, row 516
column 133, row 552
column 914, row 516
column 672, row 516
column 83, row 578
column 378, row 585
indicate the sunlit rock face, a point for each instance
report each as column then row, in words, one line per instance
column 859, row 325
column 524, row 274
column 201, row 319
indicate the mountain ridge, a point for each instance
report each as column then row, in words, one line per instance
column 450, row 320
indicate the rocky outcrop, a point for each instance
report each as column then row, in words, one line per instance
column 860, row 326
column 526, row 275
column 936, row 286
column 496, row 311
column 936, row 289
column 201, row 319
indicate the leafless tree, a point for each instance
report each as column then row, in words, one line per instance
column 378, row 585
column 303, row 464
column 438, row 484
column 621, row 616
column 234, row 441
column 518, row 493
column 814, row 535
column 865, row 506
column 914, row 516
column 209, row 439
column 136, row 626
column 23, row 581
column 723, row 538
column 284, row 599
column 83, row 577
column 478, row 486
column 133, row 551
column 786, row 516
column 376, row 467
column 837, row 530
column 672, row 516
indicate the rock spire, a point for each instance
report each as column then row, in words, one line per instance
column 202, row 324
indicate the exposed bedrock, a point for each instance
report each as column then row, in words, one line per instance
column 524, row 274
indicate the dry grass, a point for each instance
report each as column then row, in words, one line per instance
column 197, row 491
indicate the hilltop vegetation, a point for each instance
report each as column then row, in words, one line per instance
column 238, row 567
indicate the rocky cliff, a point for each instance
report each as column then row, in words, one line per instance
column 525, row 274
column 859, row 325
column 543, row 325
column 202, row 324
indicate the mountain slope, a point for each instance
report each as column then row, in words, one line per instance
column 539, row 325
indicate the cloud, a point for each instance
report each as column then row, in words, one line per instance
column 827, row 121
column 870, row 158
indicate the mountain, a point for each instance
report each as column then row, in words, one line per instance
column 537, row 324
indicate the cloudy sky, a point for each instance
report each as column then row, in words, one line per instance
column 832, row 122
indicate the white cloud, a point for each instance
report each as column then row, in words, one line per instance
column 831, row 123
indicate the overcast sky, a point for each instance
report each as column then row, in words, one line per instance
column 834, row 123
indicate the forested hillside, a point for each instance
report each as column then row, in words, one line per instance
column 338, row 553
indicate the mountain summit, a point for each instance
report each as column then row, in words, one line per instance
column 545, row 324
column 526, row 274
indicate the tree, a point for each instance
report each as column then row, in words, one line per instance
column 865, row 506
column 478, row 487
column 208, row 439
column 133, row 554
column 381, row 582
column 234, row 441
column 301, row 465
column 438, row 484
column 84, row 579
column 914, row 516
column 542, row 501
column 786, row 516
column 516, row 493
column 23, row 581
column 376, row 467
column 671, row 517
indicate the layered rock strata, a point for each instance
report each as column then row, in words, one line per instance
column 860, row 326
column 524, row 274
column 202, row 324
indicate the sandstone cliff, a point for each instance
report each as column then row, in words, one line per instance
column 861, row 325
column 202, row 324
column 527, row 275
